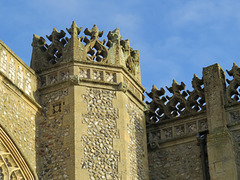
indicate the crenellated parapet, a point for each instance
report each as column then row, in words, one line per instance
column 182, row 102
column 86, row 48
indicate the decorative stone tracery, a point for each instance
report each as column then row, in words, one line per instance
column 180, row 103
column 88, row 48
column 12, row 164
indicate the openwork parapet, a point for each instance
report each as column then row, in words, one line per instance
column 87, row 48
column 182, row 102
column 232, row 90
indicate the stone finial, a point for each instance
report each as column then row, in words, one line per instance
column 95, row 49
column 39, row 42
column 232, row 94
column 94, row 33
column 56, row 36
column 113, row 37
column 125, row 45
column 74, row 29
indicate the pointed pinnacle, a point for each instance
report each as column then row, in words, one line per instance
column 174, row 81
column 74, row 24
column 54, row 29
column 74, row 28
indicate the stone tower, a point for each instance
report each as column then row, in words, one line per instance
column 92, row 124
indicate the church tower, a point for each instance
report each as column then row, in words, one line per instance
column 92, row 124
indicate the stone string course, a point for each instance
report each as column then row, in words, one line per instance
column 52, row 132
column 135, row 147
column 100, row 158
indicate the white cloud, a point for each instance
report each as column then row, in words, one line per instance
column 205, row 11
column 127, row 21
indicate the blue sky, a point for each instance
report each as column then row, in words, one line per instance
column 175, row 38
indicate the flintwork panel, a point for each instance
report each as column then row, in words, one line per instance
column 136, row 145
column 54, row 78
column 236, row 141
column 17, row 114
column 20, row 77
column 100, row 159
column 12, row 70
column 52, row 131
column 110, row 76
column 178, row 162
column 99, row 75
column 84, row 73
column 64, row 75
column 28, row 87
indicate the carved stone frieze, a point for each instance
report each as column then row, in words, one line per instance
column 170, row 131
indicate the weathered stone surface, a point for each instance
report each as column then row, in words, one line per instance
column 180, row 103
column 86, row 48
column 100, row 158
column 180, row 162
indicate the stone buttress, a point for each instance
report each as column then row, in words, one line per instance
column 92, row 125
